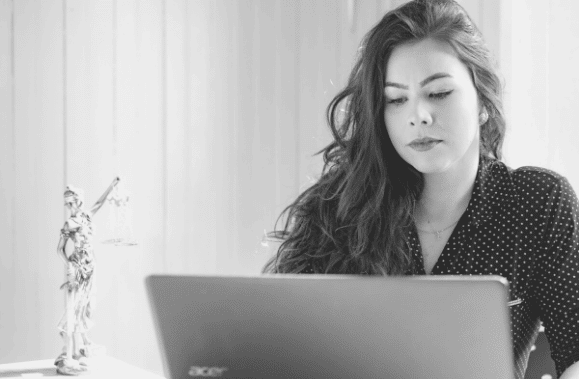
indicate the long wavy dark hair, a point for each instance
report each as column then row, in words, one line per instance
column 354, row 219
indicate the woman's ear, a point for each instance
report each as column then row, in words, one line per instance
column 483, row 113
column 483, row 116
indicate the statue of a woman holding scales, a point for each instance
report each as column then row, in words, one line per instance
column 80, row 285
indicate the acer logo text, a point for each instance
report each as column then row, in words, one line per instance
column 207, row 372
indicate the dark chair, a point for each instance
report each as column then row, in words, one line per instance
column 541, row 364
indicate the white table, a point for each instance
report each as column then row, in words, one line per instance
column 101, row 368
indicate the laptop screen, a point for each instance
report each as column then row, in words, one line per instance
column 309, row 326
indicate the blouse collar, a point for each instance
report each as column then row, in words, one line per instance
column 494, row 190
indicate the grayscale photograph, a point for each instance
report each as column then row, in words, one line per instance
column 289, row 189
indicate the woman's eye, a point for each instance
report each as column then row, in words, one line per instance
column 398, row 101
column 440, row 95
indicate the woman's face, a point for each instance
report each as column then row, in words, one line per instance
column 432, row 108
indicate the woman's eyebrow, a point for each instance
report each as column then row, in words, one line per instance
column 423, row 83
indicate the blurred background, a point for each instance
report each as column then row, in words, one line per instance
column 210, row 111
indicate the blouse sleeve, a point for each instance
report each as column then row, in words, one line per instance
column 556, row 274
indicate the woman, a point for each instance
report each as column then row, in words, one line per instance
column 413, row 183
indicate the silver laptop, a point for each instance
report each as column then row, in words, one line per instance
column 326, row 326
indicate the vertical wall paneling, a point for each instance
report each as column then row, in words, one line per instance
column 490, row 26
column 221, row 31
column 242, row 87
column 264, row 131
column 538, row 53
column 286, row 115
column 148, row 131
column 327, row 45
column 26, row 178
column 89, row 131
column 9, row 257
column 176, row 198
column 38, row 178
column 142, row 145
column 367, row 18
column 139, row 159
column 248, row 128
column 49, row 156
column 123, row 263
column 311, row 121
column 202, row 235
column 242, row 127
column 89, row 118
column 541, row 113
column 236, row 92
column 186, row 181
column 348, row 47
column 562, row 89
column 505, row 57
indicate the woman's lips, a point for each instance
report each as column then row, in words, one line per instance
column 424, row 144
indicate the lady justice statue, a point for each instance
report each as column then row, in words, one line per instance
column 80, row 285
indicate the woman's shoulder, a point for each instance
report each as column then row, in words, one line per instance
column 533, row 181
column 541, row 190
column 539, row 175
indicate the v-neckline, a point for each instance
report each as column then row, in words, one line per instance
column 418, row 249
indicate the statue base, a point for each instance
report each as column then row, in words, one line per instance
column 79, row 364
column 71, row 366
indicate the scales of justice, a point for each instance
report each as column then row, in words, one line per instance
column 80, row 269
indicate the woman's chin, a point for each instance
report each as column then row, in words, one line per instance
column 431, row 166
column 440, row 162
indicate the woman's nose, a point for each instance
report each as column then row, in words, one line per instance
column 420, row 115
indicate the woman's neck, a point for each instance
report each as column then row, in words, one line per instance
column 446, row 195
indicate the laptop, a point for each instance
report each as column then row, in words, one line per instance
column 332, row 326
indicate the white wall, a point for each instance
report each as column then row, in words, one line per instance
column 208, row 110
column 539, row 60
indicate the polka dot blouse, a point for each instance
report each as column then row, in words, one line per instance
column 523, row 225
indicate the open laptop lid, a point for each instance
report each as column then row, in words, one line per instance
column 326, row 326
